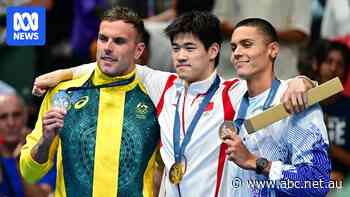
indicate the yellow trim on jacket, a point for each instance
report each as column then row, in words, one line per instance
column 104, row 184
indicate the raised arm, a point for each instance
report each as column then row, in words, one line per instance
column 294, row 98
column 305, row 146
column 37, row 154
column 51, row 79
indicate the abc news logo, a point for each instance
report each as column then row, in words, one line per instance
column 33, row 21
column 19, row 24
column 25, row 26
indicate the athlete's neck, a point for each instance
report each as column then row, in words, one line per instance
column 100, row 78
column 258, row 84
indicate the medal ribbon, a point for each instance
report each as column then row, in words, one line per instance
column 242, row 112
column 62, row 99
column 108, row 85
column 179, row 150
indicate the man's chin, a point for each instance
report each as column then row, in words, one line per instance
column 110, row 73
column 182, row 75
column 187, row 78
column 107, row 69
column 105, row 64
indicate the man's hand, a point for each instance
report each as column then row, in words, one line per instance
column 52, row 122
column 238, row 152
column 49, row 80
column 294, row 98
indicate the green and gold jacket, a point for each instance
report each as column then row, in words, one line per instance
column 106, row 146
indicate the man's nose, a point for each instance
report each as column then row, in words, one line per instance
column 181, row 55
column 108, row 46
column 237, row 53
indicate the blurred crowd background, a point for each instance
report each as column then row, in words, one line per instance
column 314, row 37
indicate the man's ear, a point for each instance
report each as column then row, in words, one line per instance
column 140, row 47
column 213, row 51
column 274, row 48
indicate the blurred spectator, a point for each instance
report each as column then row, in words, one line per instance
column 305, row 56
column 5, row 88
column 292, row 20
column 12, row 137
column 336, row 26
column 331, row 59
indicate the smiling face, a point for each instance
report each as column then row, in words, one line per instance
column 252, row 53
column 191, row 60
column 117, row 47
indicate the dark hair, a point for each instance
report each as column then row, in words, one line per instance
column 204, row 25
column 322, row 48
column 125, row 14
column 262, row 25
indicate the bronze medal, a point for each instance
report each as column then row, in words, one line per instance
column 226, row 128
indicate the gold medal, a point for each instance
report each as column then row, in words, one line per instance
column 176, row 173
column 226, row 128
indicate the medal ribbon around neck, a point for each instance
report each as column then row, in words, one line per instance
column 107, row 85
column 62, row 99
column 179, row 150
column 242, row 112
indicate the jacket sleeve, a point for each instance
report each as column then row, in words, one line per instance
column 81, row 70
column 31, row 170
column 308, row 173
column 154, row 81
